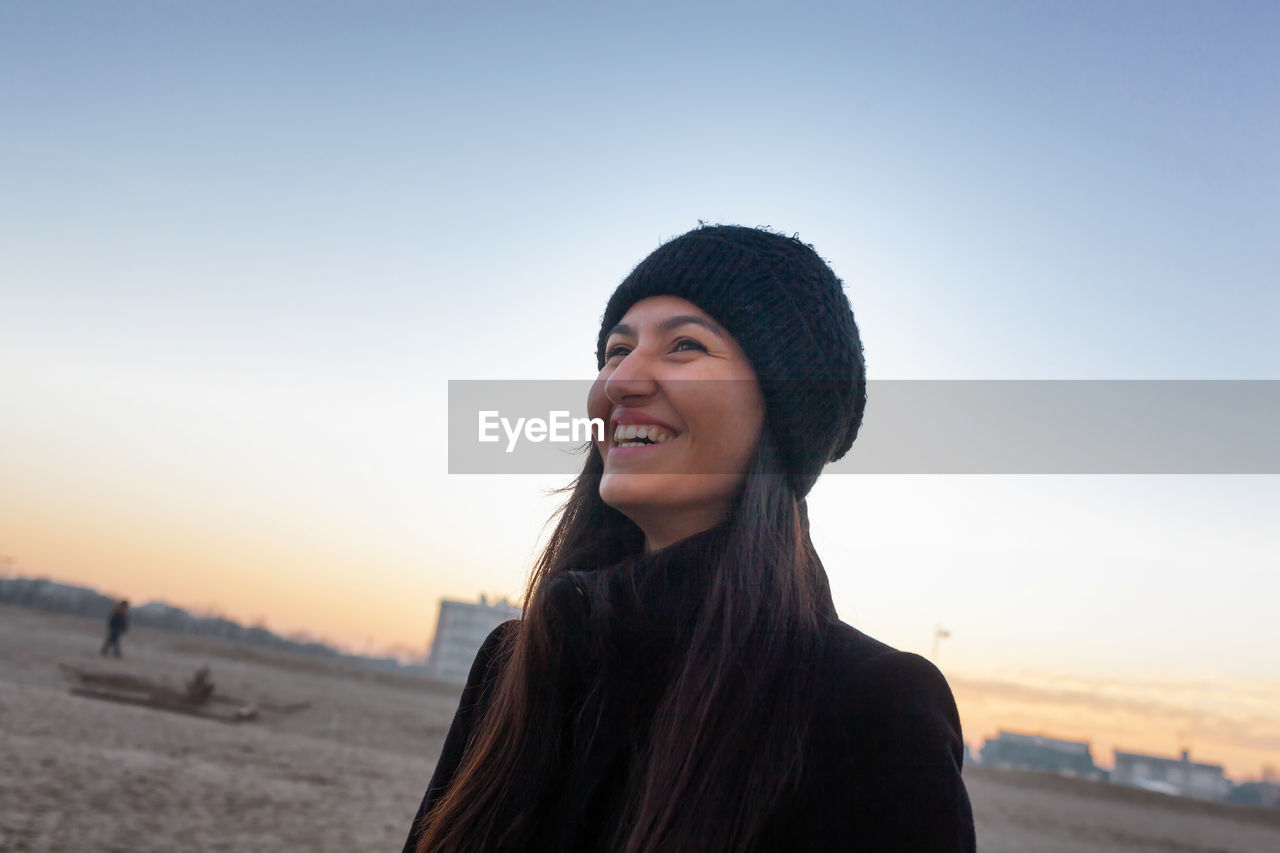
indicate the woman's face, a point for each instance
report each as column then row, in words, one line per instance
column 682, row 411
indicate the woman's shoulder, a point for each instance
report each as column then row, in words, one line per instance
column 885, row 752
column 859, row 669
column 499, row 635
column 867, row 688
column 489, row 657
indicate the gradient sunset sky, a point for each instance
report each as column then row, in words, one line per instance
column 244, row 247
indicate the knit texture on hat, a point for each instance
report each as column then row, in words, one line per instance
column 789, row 313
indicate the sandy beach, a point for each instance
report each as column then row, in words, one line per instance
column 346, row 773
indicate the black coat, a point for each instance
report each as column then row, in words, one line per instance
column 884, row 753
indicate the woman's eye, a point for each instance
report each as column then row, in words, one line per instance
column 614, row 351
column 688, row 345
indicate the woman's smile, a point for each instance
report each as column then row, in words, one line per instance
column 633, row 432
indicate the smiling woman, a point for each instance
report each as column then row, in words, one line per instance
column 680, row 680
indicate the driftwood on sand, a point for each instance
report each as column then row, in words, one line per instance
column 198, row 698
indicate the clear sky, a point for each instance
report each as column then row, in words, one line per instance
column 244, row 246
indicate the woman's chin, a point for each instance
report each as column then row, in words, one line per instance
column 633, row 498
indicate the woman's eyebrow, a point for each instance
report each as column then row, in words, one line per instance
column 621, row 329
column 668, row 324
column 684, row 319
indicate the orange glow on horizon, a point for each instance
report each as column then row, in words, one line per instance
column 252, row 575
column 1159, row 722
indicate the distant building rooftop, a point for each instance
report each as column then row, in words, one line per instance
column 1018, row 751
column 1185, row 760
column 1073, row 747
column 1178, row 776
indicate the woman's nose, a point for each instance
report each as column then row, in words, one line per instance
column 632, row 378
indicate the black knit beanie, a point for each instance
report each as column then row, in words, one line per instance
column 789, row 313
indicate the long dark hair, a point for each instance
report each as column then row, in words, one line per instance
column 698, row 786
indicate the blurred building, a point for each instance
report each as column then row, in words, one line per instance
column 1016, row 751
column 1180, row 776
column 1265, row 794
column 460, row 631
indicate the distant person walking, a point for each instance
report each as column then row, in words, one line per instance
column 116, row 625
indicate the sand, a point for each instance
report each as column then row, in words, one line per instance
column 346, row 774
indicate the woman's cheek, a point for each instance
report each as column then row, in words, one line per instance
column 597, row 402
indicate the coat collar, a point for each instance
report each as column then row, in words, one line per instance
column 631, row 620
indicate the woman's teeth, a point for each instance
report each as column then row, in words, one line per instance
column 639, row 435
